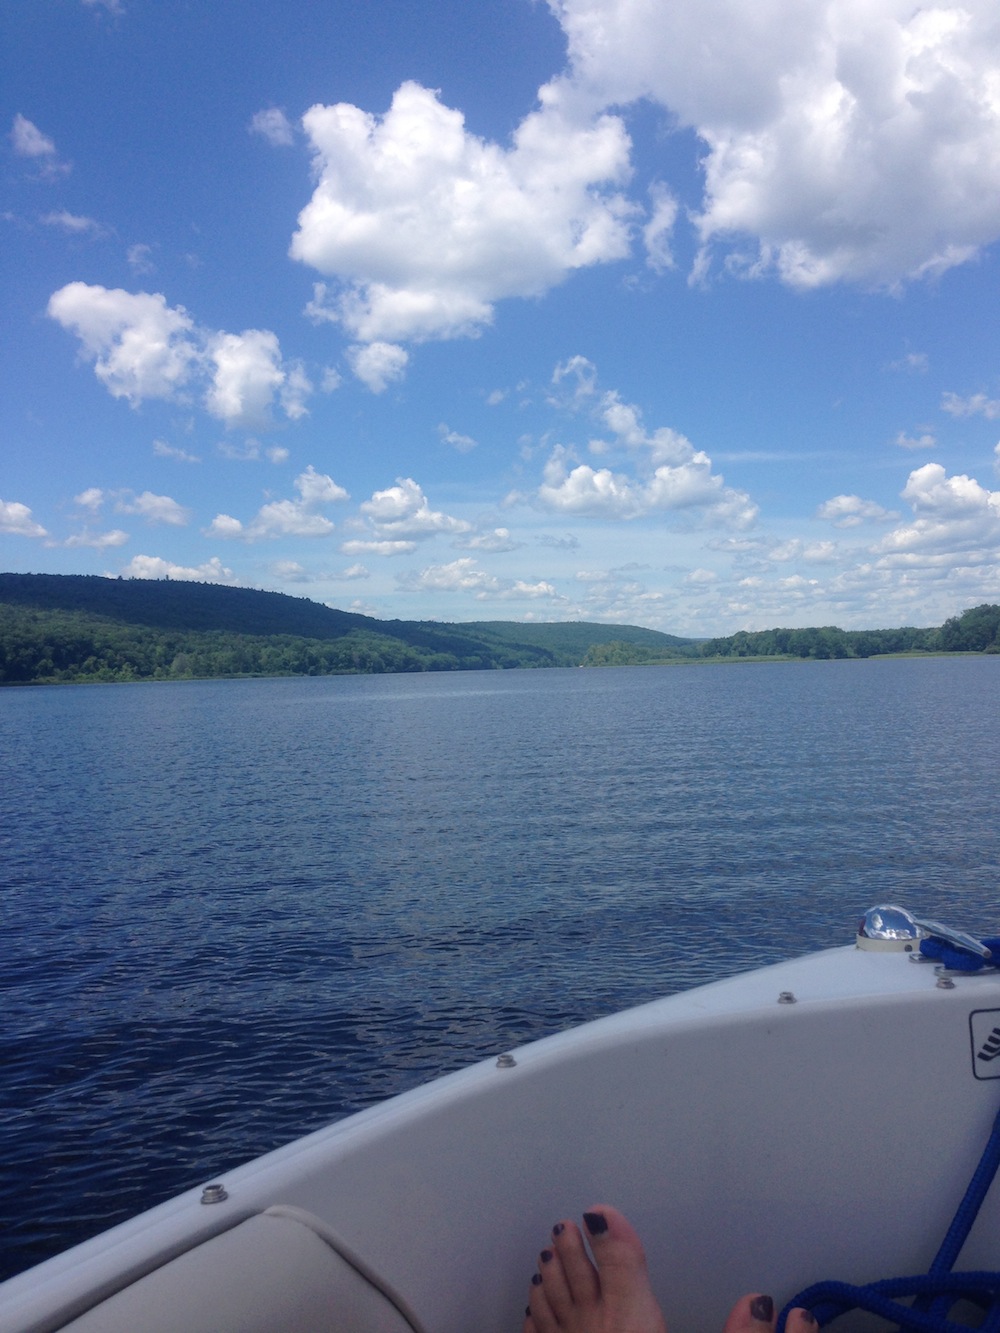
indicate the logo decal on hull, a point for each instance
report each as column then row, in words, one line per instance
column 984, row 1030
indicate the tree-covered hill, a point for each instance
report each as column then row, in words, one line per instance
column 63, row 628
column 57, row 627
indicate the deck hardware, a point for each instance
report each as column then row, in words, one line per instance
column 214, row 1194
column 506, row 1061
column 945, row 983
column 786, row 997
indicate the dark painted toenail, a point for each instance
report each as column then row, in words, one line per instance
column 762, row 1308
column 546, row 1256
column 536, row 1279
column 558, row 1229
column 597, row 1223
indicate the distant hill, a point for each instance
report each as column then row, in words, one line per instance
column 58, row 628
column 67, row 627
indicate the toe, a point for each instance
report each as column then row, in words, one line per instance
column 616, row 1247
column 751, row 1314
column 582, row 1286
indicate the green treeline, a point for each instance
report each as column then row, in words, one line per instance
column 69, row 628
column 975, row 631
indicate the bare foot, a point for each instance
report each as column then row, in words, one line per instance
column 572, row 1293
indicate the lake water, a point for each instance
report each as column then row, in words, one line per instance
column 232, row 911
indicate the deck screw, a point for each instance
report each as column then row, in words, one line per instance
column 214, row 1194
column 786, row 997
column 506, row 1061
column 945, row 983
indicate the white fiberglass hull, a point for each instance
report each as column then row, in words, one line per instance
column 756, row 1143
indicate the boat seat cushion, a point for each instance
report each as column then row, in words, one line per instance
column 273, row 1273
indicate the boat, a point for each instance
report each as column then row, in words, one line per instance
column 819, row 1118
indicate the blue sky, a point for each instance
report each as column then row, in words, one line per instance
column 675, row 315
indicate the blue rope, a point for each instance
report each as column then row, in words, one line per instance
column 937, row 1291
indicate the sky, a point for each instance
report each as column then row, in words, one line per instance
column 675, row 313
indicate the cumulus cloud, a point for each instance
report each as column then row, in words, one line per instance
column 27, row 140
column 850, row 511
column 976, row 405
column 956, row 521
column 463, row 575
column 425, row 226
column 273, row 125
column 100, row 541
column 16, row 518
column 378, row 364
column 164, row 450
column 142, row 348
column 140, row 258
column 499, row 539
column 73, row 223
column 844, row 140
column 286, row 518
column 404, row 512
column 666, row 471
column 924, row 441
column 359, row 546
column 155, row 567
column 153, row 508
column 462, row 444
column 246, row 375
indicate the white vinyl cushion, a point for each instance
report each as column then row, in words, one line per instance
column 270, row 1274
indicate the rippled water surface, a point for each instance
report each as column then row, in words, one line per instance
column 233, row 911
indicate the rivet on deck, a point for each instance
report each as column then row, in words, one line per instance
column 506, row 1061
column 945, row 983
column 786, row 997
column 214, row 1194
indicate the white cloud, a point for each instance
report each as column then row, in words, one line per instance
column 91, row 498
column 956, row 522
column 657, row 232
column 497, row 540
column 153, row 508
column 378, row 364
column 845, row 139
column 16, row 518
column 273, row 125
column 73, row 223
column 290, row 571
column 140, row 258
column 154, row 567
column 850, row 511
column 375, row 547
column 286, row 518
column 977, row 405
column 425, row 226
column 142, row 348
column 28, row 140
column 462, row 444
column 463, row 575
column 246, row 376
column 924, row 441
column 403, row 512
column 100, row 541
column 163, row 450
column 668, row 472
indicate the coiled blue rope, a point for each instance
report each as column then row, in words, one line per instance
column 938, row 1290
